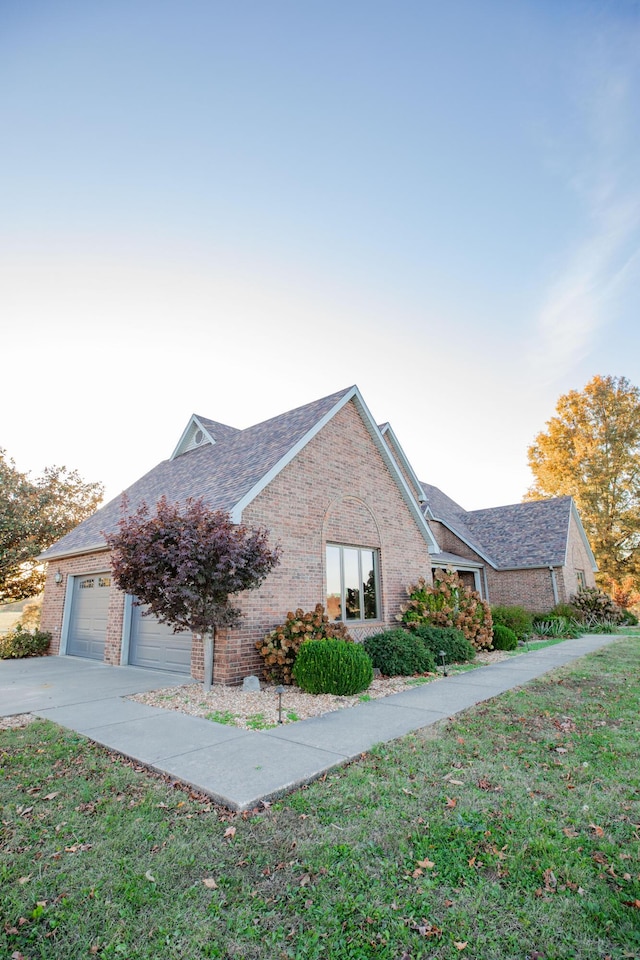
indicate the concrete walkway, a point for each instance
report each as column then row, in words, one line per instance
column 238, row 768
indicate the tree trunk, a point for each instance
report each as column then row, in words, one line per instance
column 207, row 643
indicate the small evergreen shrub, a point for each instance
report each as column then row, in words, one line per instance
column 280, row 647
column 332, row 666
column 629, row 618
column 504, row 638
column 515, row 618
column 21, row 643
column 448, row 602
column 566, row 610
column 398, row 653
column 457, row 648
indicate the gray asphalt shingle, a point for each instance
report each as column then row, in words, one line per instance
column 221, row 474
column 532, row 534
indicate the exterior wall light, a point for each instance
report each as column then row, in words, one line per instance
column 58, row 577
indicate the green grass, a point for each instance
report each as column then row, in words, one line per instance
column 222, row 716
column 513, row 829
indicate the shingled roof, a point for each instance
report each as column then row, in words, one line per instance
column 229, row 473
column 440, row 507
column 532, row 534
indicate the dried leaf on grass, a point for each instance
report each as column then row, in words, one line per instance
column 426, row 929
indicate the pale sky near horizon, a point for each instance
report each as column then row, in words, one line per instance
column 235, row 208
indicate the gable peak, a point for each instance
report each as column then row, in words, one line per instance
column 195, row 435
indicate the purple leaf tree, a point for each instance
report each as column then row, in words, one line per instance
column 187, row 563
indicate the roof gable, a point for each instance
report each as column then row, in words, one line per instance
column 530, row 534
column 200, row 431
column 403, row 462
column 230, row 467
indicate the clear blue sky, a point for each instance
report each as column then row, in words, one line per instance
column 235, row 208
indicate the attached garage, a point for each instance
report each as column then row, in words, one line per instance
column 89, row 614
column 154, row 644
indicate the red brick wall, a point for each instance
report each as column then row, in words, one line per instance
column 338, row 489
column 531, row 589
column 54, row 596
column 577, row 559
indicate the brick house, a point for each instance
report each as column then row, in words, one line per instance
column 326, row 482
column 534, row 554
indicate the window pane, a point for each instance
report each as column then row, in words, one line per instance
column 334, row 593
column 369, row 584
column 352, row 583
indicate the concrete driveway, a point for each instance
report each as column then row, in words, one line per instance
column 40, row 683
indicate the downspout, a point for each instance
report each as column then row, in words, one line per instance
column 486, row 584
column 554, row 586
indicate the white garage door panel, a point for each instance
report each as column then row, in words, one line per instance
column 154, row 644
column 89, row 615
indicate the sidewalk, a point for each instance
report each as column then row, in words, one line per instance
column 238, row 768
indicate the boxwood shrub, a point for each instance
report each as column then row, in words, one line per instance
column 332, row 666
column 457, row 648
column 515, row 618
column 279, row 648
column 504, row 638
column 398, row 653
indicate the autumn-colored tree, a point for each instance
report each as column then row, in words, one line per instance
column 33, row 515
column 591, row 452
column 186, row 563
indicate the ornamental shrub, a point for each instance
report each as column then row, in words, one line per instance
column 398, row 653
column 557, row 627
column 515, row 618
column 280, row 647
column 566, row 610
column 629, row 618
column 504, row 638
column 332, row 666
column 457, row 649
column 448, row 603
column 21, row 643
column 596, row 606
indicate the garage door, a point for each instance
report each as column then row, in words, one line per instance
column 154, row 644
column 89, row 612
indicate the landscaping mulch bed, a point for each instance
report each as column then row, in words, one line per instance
column 259, row 710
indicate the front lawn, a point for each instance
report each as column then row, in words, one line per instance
column 512, row 831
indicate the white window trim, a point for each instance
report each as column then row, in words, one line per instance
column 376, row 569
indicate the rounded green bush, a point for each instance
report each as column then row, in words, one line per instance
column 504, row 638
column 516, row 618
column 398, row 653
column 629, row 619
column 457, row 649
column 332, row 666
